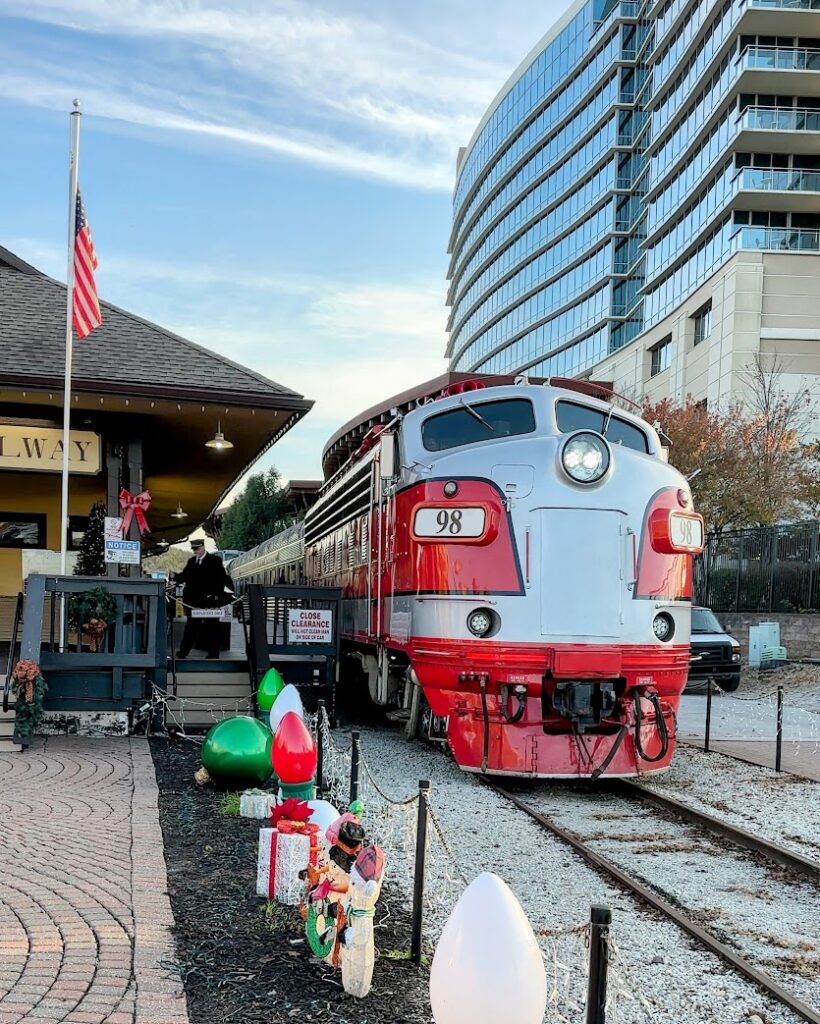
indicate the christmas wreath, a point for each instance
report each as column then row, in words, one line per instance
column 29, row 690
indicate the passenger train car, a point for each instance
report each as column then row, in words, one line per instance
column 516, row 559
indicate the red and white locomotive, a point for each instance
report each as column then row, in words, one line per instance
column 516, row 562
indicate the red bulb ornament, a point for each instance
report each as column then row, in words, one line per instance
column 294, row 755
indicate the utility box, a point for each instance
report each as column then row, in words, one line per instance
column 764, row 634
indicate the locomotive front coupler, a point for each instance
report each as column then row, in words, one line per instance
column 584, row 702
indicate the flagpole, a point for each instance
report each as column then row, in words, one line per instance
column 73, row 174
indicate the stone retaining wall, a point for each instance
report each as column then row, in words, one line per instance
column 799, row 634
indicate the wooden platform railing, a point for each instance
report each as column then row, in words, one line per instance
column 132, row 652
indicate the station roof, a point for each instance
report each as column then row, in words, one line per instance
column 131, row 368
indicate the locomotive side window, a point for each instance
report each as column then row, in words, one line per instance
column 474, row 421
column 571, row 417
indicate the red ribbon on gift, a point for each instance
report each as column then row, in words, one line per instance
column 272, row 867
column 289, row 828
column 134, row 505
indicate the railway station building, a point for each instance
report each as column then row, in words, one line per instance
column 150, row 411
column 641, row 202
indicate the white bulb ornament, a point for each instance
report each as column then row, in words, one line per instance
column 487, row 966
column 288, row 700
column 322, row 814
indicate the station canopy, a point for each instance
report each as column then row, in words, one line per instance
column 135, row 381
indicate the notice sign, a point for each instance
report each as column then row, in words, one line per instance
column 224, row 613
column 113, row 527
column 310, row 627
column 126, row 552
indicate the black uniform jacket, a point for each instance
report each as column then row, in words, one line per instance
column 204, row 582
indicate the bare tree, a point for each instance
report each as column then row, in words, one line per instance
column 784, row 480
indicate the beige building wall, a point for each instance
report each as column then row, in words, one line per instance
column 767, row 303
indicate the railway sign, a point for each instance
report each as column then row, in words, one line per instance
column 125, row 552
column 306, row 626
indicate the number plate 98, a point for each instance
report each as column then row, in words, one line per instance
column 449, row 522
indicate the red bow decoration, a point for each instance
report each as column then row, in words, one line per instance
column 134, row 505
column 292, row 810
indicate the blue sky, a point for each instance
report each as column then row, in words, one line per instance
column 270, row 178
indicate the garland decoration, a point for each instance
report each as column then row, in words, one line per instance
column 91, row 612
column 29, row 690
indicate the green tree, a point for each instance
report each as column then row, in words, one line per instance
column 172, row 560
column 91, row 560
column 259, row 512
column 709, row 447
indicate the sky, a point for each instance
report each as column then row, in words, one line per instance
column 269, row 178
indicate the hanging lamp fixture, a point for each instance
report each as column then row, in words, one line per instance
column 219, row 441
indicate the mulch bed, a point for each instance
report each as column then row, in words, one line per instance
column 239, row 963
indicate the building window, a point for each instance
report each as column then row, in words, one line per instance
column 77, row 525
column 703, row 323
column 22, row 530
column 661, row 356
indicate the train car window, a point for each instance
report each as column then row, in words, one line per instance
column 477, row 421
column 571, row 416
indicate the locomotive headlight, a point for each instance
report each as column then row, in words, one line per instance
column 663, row 626
column 585, row 457
column 480, row 622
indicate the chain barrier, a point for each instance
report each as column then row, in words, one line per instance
column 737, row 720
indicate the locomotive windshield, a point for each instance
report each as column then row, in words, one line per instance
column 476, row 421
column 571, row 416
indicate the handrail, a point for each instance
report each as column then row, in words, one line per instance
column 18, row 615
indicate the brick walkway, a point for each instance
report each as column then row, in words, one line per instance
column 85, row 918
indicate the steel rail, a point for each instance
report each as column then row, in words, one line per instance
column 657, row 902
column 740, row 837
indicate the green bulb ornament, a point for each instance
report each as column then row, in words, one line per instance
column 237, row 752
column 270, row 686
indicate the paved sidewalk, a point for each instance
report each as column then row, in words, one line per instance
column 85, row 918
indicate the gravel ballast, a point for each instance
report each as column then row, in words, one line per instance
column 668, row 977
column 777, row 806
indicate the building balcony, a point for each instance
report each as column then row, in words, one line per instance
column 779, row 70
column 781, row 58
column 778, row 17
column 777, row 239
column 785, row 5
column 758, row 188
column 778, row 130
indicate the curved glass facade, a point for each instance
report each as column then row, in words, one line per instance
column 618, row 169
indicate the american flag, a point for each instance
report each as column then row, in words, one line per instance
column 86, row 311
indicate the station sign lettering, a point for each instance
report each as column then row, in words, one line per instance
column 306, row 626
column 40, row 449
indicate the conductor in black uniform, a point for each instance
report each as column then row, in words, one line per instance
column 205, row 581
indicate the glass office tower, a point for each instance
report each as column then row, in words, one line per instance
column 639, row 150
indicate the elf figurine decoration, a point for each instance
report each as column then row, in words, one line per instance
column 324, row 912
column 358, row 954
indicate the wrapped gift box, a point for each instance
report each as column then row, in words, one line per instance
column 284, row 855
column 255, row 803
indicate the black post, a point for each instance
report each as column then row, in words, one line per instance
column 600, row 918
column 420, row 872
column 354, row 768
column 708, row 716
column 320, row 750
column 778, row 749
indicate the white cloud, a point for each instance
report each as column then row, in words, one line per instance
column 348, row 92
column 321, row 151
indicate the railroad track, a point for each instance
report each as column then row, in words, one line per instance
column 772, row 852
